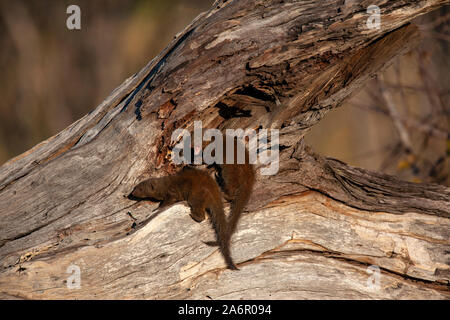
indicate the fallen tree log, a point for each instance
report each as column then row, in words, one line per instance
column 317, row 229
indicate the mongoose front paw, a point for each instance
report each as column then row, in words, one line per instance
column 211, row 243
column 197, row 218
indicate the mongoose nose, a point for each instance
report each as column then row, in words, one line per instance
column 131, row 197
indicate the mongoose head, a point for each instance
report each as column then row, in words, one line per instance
column 149, row 189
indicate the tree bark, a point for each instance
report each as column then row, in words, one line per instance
column 312, row 231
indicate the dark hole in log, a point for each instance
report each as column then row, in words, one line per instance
column 253, row 92
column 227, row 112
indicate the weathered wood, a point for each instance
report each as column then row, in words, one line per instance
column 312, row 230
column 300, row 246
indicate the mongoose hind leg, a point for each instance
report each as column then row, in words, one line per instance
column 197, row 209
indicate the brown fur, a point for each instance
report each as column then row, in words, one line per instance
column 236, row 181
column 201, row 193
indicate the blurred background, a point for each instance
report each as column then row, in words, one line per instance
column 398, row 124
